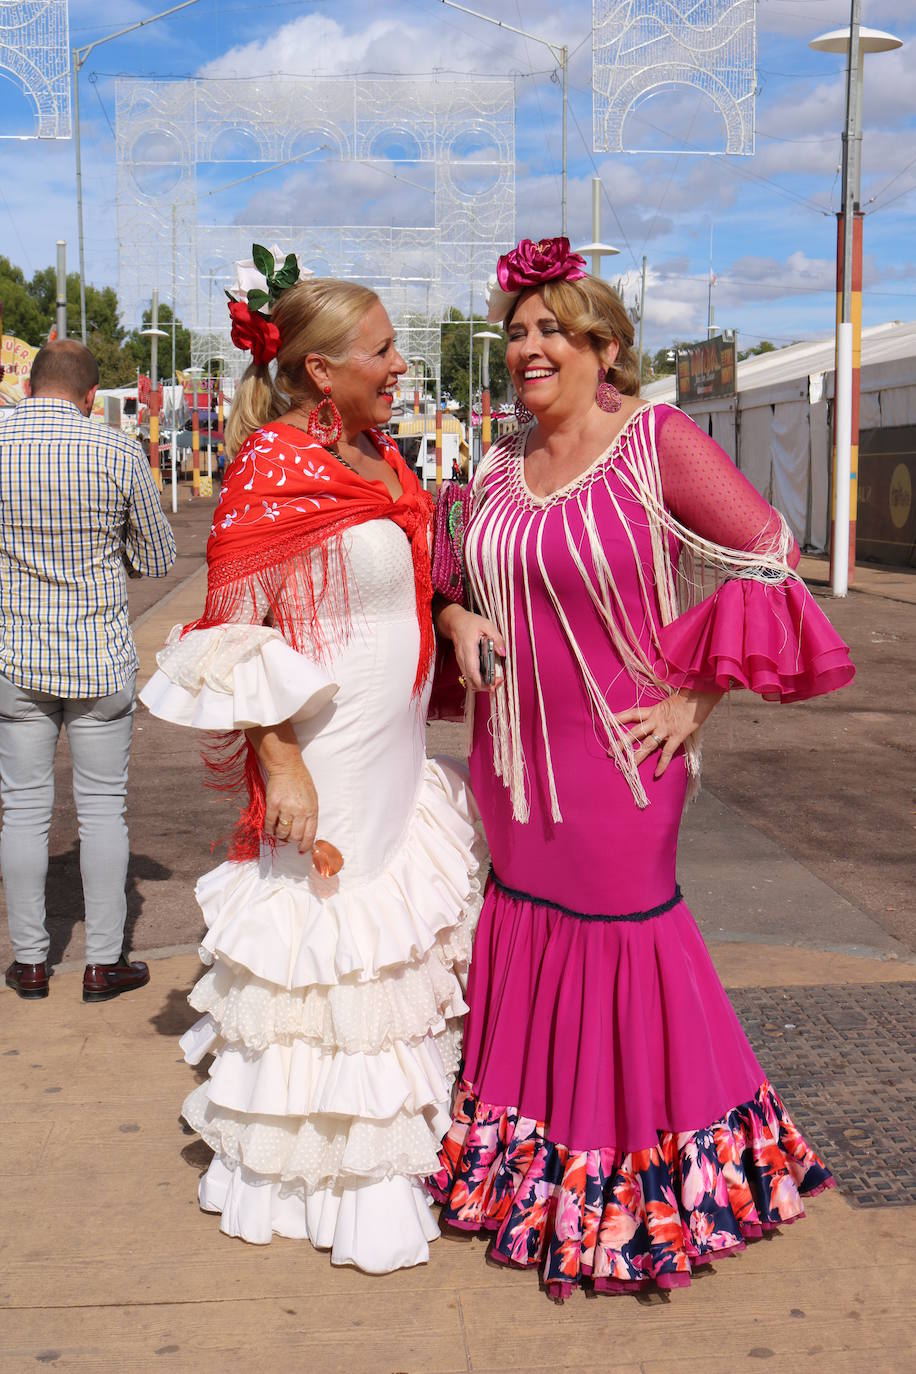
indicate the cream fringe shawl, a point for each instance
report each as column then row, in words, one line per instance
column 515, row 518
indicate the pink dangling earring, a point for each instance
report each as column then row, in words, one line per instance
column 325, row 432
column 607, row 395
column 522, row 413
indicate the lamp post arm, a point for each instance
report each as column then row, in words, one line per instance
column 555, row 48
column 80, row 55
column 79, row 58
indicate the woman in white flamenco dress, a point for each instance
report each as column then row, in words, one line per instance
column 333, row 1004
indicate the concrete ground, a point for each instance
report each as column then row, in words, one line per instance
column 797, row 861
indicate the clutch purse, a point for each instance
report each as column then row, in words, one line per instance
column 453, row 507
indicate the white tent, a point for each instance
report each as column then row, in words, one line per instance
column 777, row 428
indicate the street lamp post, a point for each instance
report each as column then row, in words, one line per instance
column 154, row 334
column 79, row 58
column 596, row 249
column 560, row 54
column 854, row 42
column 485, row 436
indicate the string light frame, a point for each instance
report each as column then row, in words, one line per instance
column 35, row 52
column 640, row 47
column 461, row 130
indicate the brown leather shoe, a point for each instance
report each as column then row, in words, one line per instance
column 103, row 981
column 28, row 980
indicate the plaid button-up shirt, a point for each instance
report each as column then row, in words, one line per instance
column 73, row 494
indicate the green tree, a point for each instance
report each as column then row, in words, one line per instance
column 455, row 359
column 763, row 347
column 30, row 313
column 22, row 315
column 663, row 362
column 117, row 366
column 101, row 310
column 138, row 345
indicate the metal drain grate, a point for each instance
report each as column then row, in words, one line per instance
column 843, row 1059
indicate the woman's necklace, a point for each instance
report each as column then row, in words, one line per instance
column 341, row 459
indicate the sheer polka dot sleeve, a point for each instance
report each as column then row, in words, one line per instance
column 766, row 634
column 705, row 491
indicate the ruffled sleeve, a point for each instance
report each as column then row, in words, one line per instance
column 769, row 636
column 230, row 677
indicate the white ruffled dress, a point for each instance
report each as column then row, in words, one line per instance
column 333, row 1006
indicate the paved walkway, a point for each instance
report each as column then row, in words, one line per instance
column 894, row 584
column 106, row 1262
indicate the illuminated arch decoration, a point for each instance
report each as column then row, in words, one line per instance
column 35, row 52
column 643, row 46
column 461, row 130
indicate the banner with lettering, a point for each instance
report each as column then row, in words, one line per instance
column 707, row 370
column 16, row 358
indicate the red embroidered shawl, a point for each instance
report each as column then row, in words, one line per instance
column 285, row 500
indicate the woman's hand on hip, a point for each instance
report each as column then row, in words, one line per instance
column 665, row 726
column 466, row 630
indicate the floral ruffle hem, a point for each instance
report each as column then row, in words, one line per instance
column 623, row 1221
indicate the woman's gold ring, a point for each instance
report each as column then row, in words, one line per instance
column 284, row 820
column 462, row 681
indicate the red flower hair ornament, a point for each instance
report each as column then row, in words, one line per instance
column 529, row 264
column 253, row 334
column 261, row 279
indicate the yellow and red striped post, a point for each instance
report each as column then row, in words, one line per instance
column 154, row 436
column 195, row 452
column 855, row 317
column 219, row 430
column 485, row 421
column 438, row 447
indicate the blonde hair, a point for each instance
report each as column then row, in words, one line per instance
column 319, row 315
column 592, row 309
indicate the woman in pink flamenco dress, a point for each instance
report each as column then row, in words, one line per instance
column 612, row 1123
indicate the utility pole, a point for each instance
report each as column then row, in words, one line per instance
column 174, row 436
column 154, row 389
column 471, row 350
column 210, row 383
column 642, row 312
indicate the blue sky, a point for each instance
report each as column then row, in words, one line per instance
column 773, row 229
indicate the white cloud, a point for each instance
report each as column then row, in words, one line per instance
column 806, row 20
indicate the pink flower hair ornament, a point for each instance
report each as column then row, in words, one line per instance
column 527, row 265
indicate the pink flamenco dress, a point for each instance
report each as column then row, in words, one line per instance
column 612, row 1123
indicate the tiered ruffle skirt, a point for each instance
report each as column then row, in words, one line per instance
column 333, row 1015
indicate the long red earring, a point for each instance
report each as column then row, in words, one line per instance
column 607, row 395
column 325, row 432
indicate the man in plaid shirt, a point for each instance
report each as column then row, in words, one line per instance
column 78, row 505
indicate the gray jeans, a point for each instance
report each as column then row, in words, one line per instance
column 99, row 731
